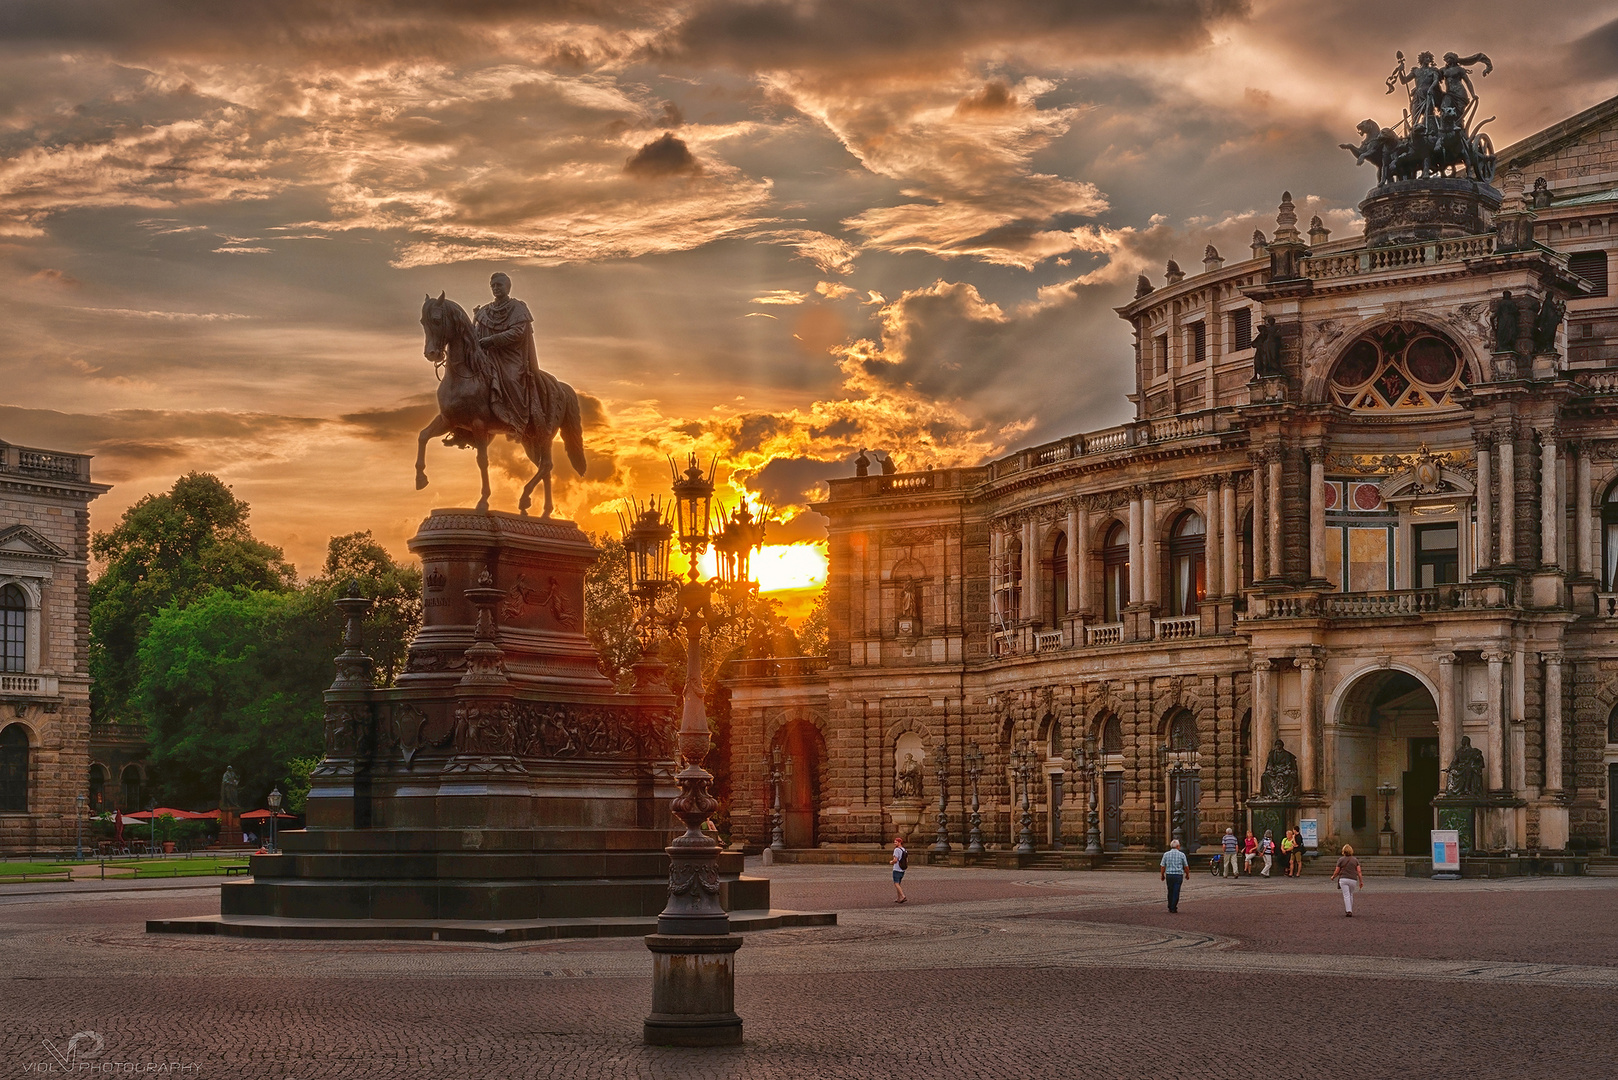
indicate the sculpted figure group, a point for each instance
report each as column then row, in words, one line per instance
column 1439, row 134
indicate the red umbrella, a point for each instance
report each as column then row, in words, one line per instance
column 264, row 815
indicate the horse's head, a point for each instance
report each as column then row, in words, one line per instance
column 436, row 324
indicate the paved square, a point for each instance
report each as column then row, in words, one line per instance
column 982, row 974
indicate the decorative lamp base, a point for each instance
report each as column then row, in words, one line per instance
column 693, row 990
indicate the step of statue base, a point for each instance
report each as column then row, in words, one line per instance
column 488, row 931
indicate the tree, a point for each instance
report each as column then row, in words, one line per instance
column 812, row 634
column 232, row 678
column 167, row 550
column 394, row 588
column 609, row 609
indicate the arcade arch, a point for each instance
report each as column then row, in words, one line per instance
column 1386, row 733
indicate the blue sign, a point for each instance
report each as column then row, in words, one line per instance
column 1309, row 829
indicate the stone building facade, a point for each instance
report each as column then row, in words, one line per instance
column 1347, row 516
column 44, row 645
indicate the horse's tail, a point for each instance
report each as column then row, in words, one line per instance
column 573, row 429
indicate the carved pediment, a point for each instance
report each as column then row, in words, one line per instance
column 20, row 541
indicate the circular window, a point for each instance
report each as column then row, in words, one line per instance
column 1401, row 366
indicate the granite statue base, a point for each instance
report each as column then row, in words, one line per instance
column 693, row 990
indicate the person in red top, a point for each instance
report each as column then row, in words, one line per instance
column 1249, row 851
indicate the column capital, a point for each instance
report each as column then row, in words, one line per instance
column 1494, row 656
column 1316, row 454
column 1444, row 659
column 1547, row 436
column 1310, row 663
column 1553, row 656
column 1135, row 492
column 1262, row 664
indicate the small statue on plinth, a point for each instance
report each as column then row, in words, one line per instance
column 229, row 790
column 1267, row 350
column 1506, row 323
column 1465, row 772
column 907, row 784
column 1546, row 322
column 1280, row 779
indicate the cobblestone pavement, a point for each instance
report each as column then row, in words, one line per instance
column 983, row 973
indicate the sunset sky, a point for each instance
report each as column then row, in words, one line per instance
column 778, row 231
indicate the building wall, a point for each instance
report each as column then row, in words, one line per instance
column 44, row 547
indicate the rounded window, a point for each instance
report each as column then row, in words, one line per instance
column 1404, row 366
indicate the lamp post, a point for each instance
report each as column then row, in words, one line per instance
column 1179, row 760
column 1025, row 767
column 941, row 761
column 974, row 766
column 78, row 822
column 647, row 534
column 1385, row 840
column 777, row 816
column 274, row 801
column 693, row 951
column 1092, row 762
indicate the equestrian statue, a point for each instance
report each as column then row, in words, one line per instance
column 491, row 385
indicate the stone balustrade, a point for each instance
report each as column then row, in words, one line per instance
column 1177, row 628
column 1401, row 257
column 1104, row 634
column 1392, row 603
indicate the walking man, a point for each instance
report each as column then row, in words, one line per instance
column 901, row 863
column 1172, row 871
column 1231, row 846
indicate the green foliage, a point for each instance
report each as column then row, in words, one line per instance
column 167, row 550
column 609, row 609
column 812, row 635
column 231, row 679
column 297, row 782
column 395, row 588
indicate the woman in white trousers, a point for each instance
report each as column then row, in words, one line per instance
column 1349, row 877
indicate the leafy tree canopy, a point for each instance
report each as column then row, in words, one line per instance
column 168, row 549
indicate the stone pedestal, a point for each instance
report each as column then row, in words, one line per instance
column 1385, row 842
column 693, row 990
column 906, row 814
column 1276, row 815
column 1432, row 208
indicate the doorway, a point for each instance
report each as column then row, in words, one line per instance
column 1112, row 817
column 803, row 753
column 1421, row 787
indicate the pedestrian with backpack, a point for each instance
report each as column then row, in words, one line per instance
column 901, row 863
column 1266, row 848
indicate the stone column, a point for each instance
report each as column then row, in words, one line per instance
column 1078, row 577
column 1448, row 735
column 1135, row 557
column 1485, row 506
column 1497, row 719
column 1231, row 546
column 1309, row 721
column 1508, row 500
column 1317, row 512
column 1553, row 722
column 1261, row 528
column 1550, row 501
column 1263, row 722
column 1149, row 575
column 1032, row 593
column 1583, row 524
column 1213, row 540
column 1275, row 513
column 997, row 549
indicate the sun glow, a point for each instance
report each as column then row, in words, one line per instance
column 777, row 567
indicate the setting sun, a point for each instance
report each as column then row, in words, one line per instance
column 777, row 567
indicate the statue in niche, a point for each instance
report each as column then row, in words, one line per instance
column 1465, row 772
column 907, row 783
column 909, row 601
column 1546, row 323
column 1280, row 779
column 1267, row 350
column 1506, row 323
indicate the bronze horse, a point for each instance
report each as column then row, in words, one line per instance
column 467, row 417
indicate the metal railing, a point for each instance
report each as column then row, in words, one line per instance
column 776, row 667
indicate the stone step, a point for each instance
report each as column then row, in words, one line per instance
column 1603, row 866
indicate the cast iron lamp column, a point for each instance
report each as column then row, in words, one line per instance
column 693, row 951
column 777, row 816
column 1025, row 766
column 974, row 766
column 274, row 801
column 941, row 842
column 1092, row 835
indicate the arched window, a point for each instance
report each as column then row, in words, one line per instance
column 1011, row 581
column 1188, row 564
column 1112, row 736
column 1404, row 366
column 1612, row 725
column 1115, row 573
column 1053, row 735
column 13, row 629
column 1609, row 540
column 14, row 770
column 1058, row 575
column 130, row 787
column 98, row 788
column 1183, row 731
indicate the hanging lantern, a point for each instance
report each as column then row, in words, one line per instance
column 693, row 496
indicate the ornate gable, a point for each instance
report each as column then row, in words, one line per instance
column 22, row 542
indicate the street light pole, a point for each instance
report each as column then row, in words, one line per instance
column 1025, row 838
column 78, row 822
column 274, row 799
column 1092, row 836
column 974, row 766
column 941, row 843
column 777, row 815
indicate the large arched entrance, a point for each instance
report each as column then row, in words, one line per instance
column 1387, row 736
column 803, row 755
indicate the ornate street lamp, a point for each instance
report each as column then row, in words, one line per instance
column 1025, row 768
column 734, row 544
column 274, row 801
column 648, row 536
column 941, row 760
column 1088, row 759
column 693, row 508
column 777, row 815
column 974, row 766
column 1179, row 760
column 1386, row 791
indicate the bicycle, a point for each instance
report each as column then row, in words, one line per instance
column 1216, row 863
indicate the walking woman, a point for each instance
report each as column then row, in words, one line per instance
column 1349, row 877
